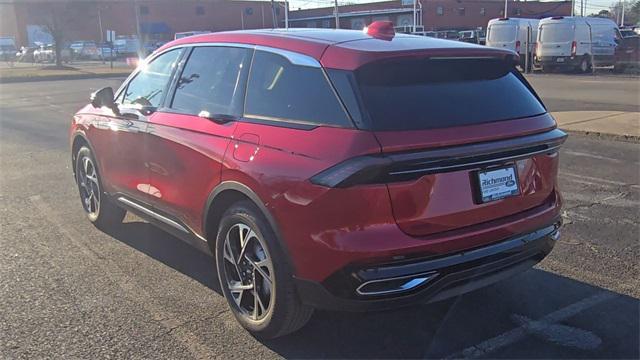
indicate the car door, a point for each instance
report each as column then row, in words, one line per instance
column 124, row 151
column 188, row 138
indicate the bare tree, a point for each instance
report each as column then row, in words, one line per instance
column 55, row 19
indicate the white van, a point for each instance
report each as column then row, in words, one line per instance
column 576, row 43
column 181, row 35
column 511, row 33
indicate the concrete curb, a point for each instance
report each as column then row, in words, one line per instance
column 605, row 136
column 11, row 80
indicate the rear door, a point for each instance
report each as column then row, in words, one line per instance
column 556, row 39
column 427, row 113
column 503, row 36
column 188, row 138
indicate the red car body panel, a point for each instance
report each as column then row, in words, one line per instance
column 185, row 163
column 174, row 162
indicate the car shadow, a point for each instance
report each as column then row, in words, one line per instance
column 481, row 322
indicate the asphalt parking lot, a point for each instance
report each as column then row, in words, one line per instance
column 69, row 290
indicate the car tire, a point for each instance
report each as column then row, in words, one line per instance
column 254, row 275
column 100, row 209
column 585, row 65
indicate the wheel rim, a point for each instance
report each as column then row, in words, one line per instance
column 248, row 272
column 89, row 186
column 584, row 66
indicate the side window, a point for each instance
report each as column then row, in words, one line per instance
column 281, row 91
column 149, row 85
column 213, row 80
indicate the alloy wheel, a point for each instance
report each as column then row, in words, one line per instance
column 87, row 177
column 248, row 271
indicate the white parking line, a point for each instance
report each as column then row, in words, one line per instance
column 596, row 179
column 546, row 328
column 593, row 156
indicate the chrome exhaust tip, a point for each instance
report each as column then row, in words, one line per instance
column 394, row 285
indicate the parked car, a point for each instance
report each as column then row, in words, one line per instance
column 448, row 34
column 627, row 32
column 511, row 34
column 86, row 50
column 576, row 43
column 7, row 49
column 127, row 46
column 472, row 36
column 107, row 52
column 180, row 35
column 26, row 54
column 371, row 189
column 627, row 54
column 47, row 53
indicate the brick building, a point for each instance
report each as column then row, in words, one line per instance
column 435, row 14
column 157, row 19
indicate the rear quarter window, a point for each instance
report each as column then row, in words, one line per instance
column 281, row 91
column 415, row 94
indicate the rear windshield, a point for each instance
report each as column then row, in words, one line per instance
column 553, row 33
column 502, row 33
column 414, row 94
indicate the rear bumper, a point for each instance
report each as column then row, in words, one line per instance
column 447, row 276
column 558, row 61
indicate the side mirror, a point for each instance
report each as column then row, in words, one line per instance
column 104, row 98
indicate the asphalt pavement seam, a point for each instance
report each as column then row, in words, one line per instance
column 188, row 339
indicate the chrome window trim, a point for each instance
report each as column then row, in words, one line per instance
column 293, row 57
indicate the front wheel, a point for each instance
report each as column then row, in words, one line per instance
column 99, row 209
column 254, row 275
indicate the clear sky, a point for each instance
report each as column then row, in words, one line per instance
column 593, row 6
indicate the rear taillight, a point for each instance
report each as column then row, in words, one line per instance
column 518, row 46
column 358, row 170
column 574, row 48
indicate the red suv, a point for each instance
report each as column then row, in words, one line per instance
column 330, row 169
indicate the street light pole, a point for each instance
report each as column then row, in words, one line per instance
column 336, row 13
column 415, row 14
column 506, row 14
column 622, row 18
column 573, row 7
column 286, row 14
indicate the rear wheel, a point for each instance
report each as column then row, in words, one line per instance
column 585, row 65
column 254, row 275
column 99, row 209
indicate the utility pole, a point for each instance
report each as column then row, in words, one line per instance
column 415, row 14
column 273, row 14
column 100, row 25
column 336, row 13
column 573, row 7
column 506, row 14
column 286, row 14
column 137, row 12
column 622, row 16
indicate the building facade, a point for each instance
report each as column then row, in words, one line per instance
column 433, row 14
column 153, row 19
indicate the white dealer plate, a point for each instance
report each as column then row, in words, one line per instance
column 498, row 184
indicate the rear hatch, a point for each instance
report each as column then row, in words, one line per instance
column 448, row 125
column 555, row 39
column 503, row 36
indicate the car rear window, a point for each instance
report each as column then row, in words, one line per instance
column 281, row 91
column 414, row 94
column 502, row 33
column 553, row 33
